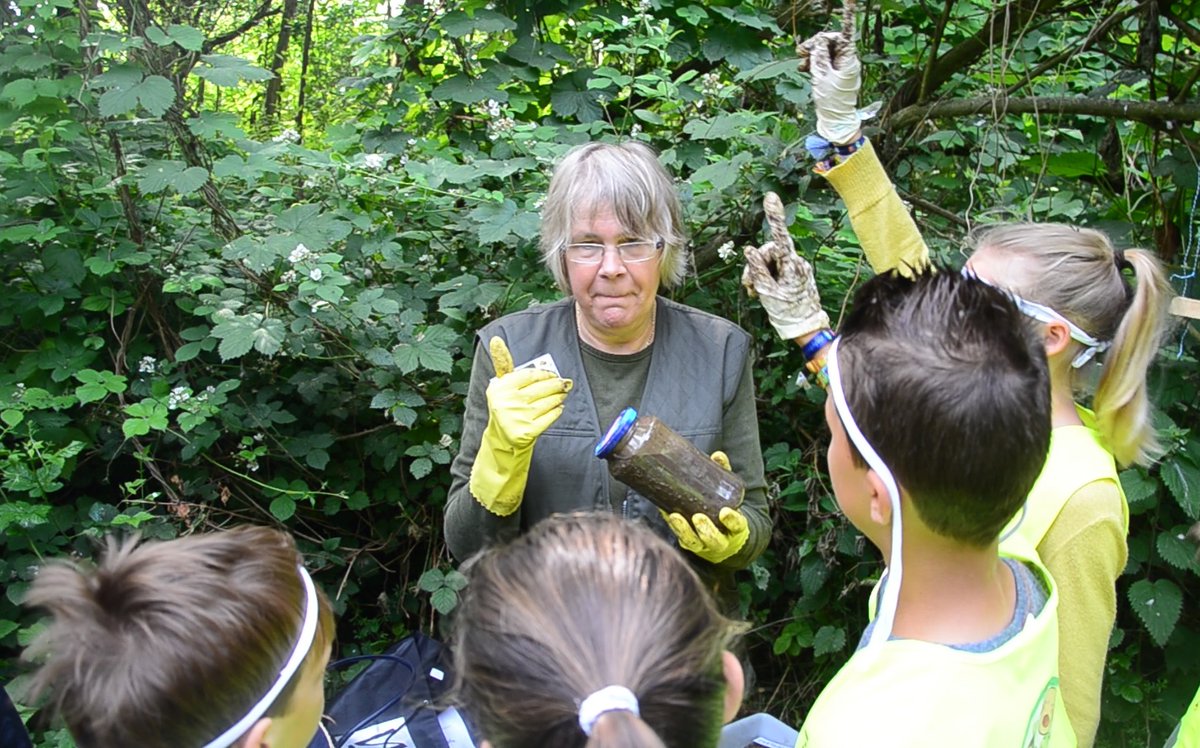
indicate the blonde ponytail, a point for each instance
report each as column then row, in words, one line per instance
column 1121, row 402
column 1078, row 273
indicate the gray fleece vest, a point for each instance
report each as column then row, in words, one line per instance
column 695, row 368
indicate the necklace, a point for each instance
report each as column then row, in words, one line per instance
column 591, row 340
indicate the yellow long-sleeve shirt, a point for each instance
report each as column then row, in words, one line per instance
column 1085, row 547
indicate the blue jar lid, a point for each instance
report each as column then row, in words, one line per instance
column 616, row 432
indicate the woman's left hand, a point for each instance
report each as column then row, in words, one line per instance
column 702, row 536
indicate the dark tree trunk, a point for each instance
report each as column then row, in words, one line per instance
column 308, row 27
column 275, row 85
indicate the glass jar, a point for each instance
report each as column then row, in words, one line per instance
column 646, row 455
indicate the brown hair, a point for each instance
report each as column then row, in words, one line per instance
column 1078, row 273
column 951, row 388
column 170, row 643
column 582, row 602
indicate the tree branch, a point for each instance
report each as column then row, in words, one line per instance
column 1007, row 22
column 1188, row 30
column 1093, row 36
column 1154, row 113
column 934, row 45
column 264, row 11
column 935, row 209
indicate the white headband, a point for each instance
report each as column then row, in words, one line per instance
column 1045, row 314
column 885, row 615
column 308, row 631
column 607, row 699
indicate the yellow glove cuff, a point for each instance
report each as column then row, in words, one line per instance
column 499, row 475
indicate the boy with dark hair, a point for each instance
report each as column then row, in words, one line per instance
column 211, row 640
column 939, row 408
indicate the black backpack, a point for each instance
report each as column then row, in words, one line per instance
column 393, row 702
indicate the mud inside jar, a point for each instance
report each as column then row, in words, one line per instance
column 652, row 459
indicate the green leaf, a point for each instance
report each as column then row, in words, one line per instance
column 1174, row 548
column 1158, row 605
column 116, row 101
column 226, row 70
column 459, row 24
column 268, row 339
column 455, row 580
column 570, row 97
column 829, row 639
column 187, row 37
column 421, row 467
column 1139, row 488
column 467, row 90
column 12, row 417
column 157, row 36
column 155, row 94
column 444, row 600
column 432, row 579
column 158, row 176
column 22, row 514
column 1182, row 478
column 7, row 627
column 283, row 507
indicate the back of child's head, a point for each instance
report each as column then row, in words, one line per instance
column 579, row 604
column 1078, row 273
column 950, row 387
column 172, row 643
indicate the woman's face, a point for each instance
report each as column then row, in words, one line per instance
column 612, row 296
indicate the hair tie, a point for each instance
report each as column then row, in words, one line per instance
column 607, row 699
column 1122, row 263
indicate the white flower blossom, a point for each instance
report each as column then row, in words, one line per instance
column 436, row 7
column 636, row 129
column 178, row 396
column 726, row 251
column 148, row 365
column 315, row 274
column 375, row 161
column 446, row 441
column 493, row 108
column 300, row 254
column 412, row 141
column 289, row 276
column 287, row 136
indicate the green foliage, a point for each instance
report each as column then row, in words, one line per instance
column 213, row 315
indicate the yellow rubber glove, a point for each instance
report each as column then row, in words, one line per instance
column 702, row 536
column 521, row 405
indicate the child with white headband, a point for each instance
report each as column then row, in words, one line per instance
column 207, row 641
column 939, row 415
column 590, row 630
column 1089, row 302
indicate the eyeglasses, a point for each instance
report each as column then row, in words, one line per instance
column 590, row 253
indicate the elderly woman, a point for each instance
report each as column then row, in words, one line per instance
column 611, row 235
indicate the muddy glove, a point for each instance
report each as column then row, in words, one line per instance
column 521, row 405
column 783, row 280
column 702, row 536
column 836, row 77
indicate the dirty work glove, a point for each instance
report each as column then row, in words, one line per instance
column 782, row 279
column 702, row 536
column 521, row 405
column 836, row 77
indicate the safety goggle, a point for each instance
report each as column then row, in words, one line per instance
column 1044, row 314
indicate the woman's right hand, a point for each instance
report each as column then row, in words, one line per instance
column 830, row 58
column 522, row 404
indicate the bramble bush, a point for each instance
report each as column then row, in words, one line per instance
column 216, row 316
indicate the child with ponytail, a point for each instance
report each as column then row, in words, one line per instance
column 1092, row 304
column 591, row 631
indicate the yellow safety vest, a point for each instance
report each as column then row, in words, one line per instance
column 1187, row 735
column 1077, row 457
column 906, row 693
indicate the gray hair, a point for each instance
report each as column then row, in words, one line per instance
column 627, row 178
